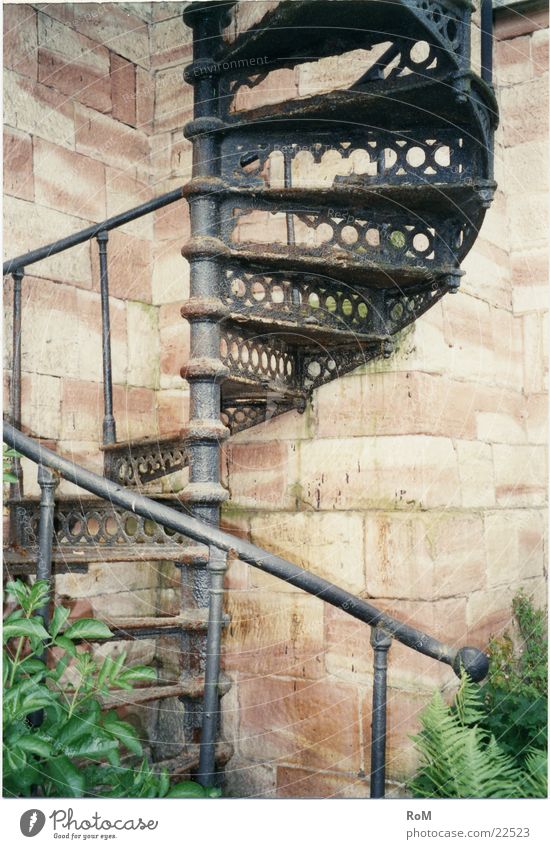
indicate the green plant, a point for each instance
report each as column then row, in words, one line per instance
column 492, row 742
column 8, row 455
column 77, row 749
column 515, row 693
column 461, row 760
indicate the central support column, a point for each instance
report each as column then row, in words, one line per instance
column 205, row 371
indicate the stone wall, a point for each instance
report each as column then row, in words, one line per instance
column 418, row 482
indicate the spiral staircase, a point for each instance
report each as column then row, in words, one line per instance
column 294, row 280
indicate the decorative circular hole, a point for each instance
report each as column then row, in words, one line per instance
column 273, row 363
column 397, row 311
column 238, row 287
column 349, row 235
column 330, row 304
column 314, row 369
column 149, row 527
column 258, row 291
column 421, row 243
column 245, row 355
column 313, row 300
column 289, row 368
column 75, row 525
column 255, row 357
column 416, row 156
column 277, row 294
column 223, row 348
column 281, row 366
column 372, row 237
column 324, row 233
column 362, row 310
column 131, row 526
column 347, row 307
column 443, row 156
column 234, row 352
column 420, row 52
column 92, row 525
column 397, row 239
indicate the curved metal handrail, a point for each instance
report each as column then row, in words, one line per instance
column 18, row 262
column 472, row 660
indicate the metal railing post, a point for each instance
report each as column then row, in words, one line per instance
column 380, row 641
column 109, row 425
column 217, row 565
column 47, row 481
column 16, row 489
column 487, row 40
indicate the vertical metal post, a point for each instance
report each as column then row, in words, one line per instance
column 217, row 566
column 109, row 425
column 380, row 641
column 47, row 481
column 205, row 370
column 16, row 489
column 487, row 40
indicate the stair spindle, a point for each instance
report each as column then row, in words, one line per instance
column 381, row 642
column 109, row 424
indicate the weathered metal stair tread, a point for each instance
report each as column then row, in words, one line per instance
column 407, row 101
column 334, row 264
column 140, row 461
column 306, row 335
column 90, row 530
column 188, row 760
column 191, row 687
column 72, row 558
column 191, row 619
column 317, row 27
column 357, row 193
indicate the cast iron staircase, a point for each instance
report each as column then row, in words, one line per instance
column 295, row 280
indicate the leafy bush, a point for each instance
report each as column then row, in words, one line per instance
column 460, row 760
column 8, row 455
column 76, row 748
column 515, row 693
column 492, row 742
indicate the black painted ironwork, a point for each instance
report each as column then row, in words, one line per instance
column 217, row 566
column 109, row 425
column 473, row 660
column 381, row 644
column 344, row 267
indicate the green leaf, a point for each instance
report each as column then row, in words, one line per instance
column 59, row 618
column 188, row 790
column 35, row 745
column 124, row 732
column 9, row 478
column 68, row 780
column 137, row 673
column 88, row 629
column 25, row 628
column 66, row 644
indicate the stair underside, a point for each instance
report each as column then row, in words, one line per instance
column 320, row 29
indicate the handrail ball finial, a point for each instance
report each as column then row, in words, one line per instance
column 473, row 661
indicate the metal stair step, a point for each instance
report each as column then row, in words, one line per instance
column 412, row 98
column 312, row 26
column 188, row 760
column 92, row 530
column 140, row 461
column 127, row 627
column 190, row 687
column 355, row 193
